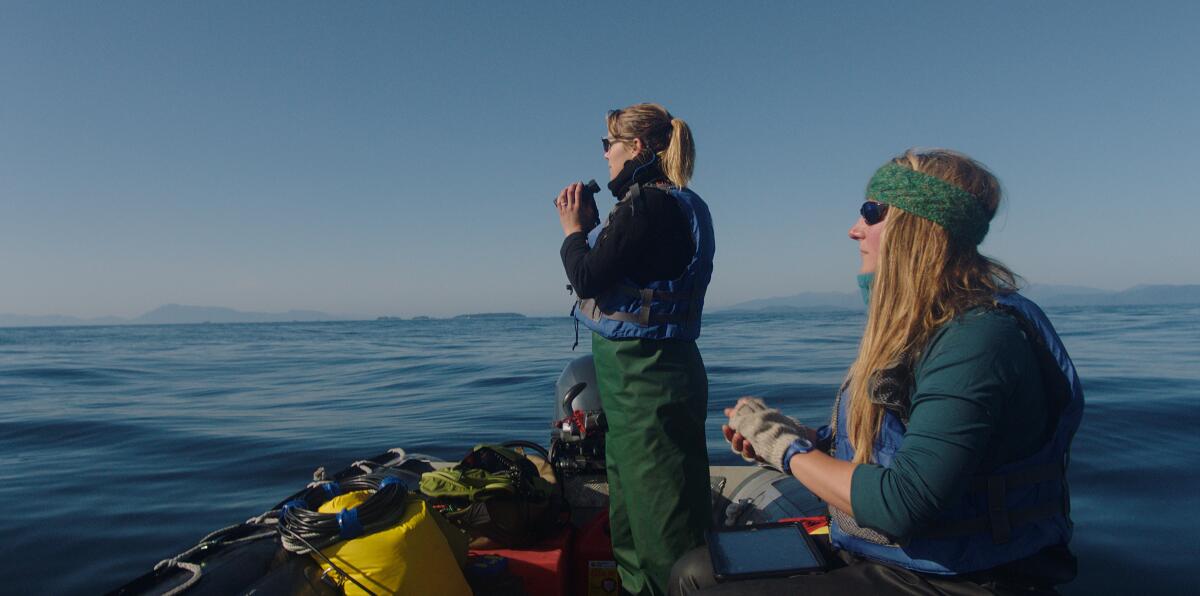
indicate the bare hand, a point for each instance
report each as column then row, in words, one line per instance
column 739, row 444
column 574, row 209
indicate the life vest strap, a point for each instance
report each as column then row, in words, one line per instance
column 998, row 510
column 1030, row 475
column 642, row 316
column 999, row 521
column 988, row 523
column 659, row 295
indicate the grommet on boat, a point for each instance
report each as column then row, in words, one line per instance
column 348, row 524
column 290, row 505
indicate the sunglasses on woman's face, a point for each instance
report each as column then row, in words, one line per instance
column 872, row 212
column 608, row 143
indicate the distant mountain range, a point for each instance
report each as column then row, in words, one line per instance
column 1052, row 295
column 174, row 314
column 1043, row 294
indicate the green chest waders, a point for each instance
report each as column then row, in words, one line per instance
column 655, row 395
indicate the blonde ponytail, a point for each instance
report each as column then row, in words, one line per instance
column 679, row 158
column 669, row 138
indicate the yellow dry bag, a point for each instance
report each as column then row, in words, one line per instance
column 411, row 557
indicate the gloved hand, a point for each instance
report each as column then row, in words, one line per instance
column 767, row 429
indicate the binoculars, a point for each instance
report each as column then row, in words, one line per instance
column 589, row 197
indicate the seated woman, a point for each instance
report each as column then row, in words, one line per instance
column 944, row 466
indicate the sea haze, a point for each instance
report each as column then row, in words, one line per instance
column 1043, row 294
column 123, row 446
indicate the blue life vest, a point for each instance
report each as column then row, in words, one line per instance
column 1009, row 514
column 667, row 309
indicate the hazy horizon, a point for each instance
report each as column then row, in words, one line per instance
column 1055, row 291
column 400, row 159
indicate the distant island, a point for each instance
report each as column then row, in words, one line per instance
column 1043, row 294
column 804, row 301
column 181, row 314
column 1048, row 295
column 176, row 314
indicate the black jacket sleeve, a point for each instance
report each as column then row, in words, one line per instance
column 647, row 238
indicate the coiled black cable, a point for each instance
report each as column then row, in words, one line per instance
column 527, row 445
column 302, row 529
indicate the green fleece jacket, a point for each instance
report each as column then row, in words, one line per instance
column 979, row 403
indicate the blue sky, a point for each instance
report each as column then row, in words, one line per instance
column 400, row 158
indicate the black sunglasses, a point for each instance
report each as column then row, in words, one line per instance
column 872, row 212
column 608, row 143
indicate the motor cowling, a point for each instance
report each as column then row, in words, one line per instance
column 577, row 438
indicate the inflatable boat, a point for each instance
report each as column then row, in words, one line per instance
column 260, row 555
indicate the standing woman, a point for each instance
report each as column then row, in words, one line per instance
column 641, row 279
column 944, row 465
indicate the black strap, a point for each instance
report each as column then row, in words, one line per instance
column 999, row 520
column 637, row 292
column 985, row 523
column 998, row 510
column 645, row 318
column 1030, row 475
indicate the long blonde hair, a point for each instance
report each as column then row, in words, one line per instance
column 924, row 279
column 662, row 134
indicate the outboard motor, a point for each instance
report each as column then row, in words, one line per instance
column 577, row 454
column 577, row 439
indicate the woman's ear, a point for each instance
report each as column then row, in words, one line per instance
column 638, row 147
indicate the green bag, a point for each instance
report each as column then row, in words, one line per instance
column 495, row 493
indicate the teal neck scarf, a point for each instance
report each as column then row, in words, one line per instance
column 864, row 286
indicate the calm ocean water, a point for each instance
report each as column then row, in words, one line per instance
column 121, row 446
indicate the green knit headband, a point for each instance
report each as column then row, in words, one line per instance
column 930, row 197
